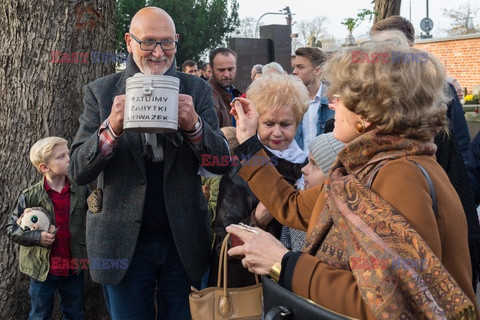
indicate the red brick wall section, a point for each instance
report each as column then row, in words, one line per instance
column 460, row 55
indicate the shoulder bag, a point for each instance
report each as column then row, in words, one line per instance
column 218, row 303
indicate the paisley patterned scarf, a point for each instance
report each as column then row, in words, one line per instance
column 396, row 286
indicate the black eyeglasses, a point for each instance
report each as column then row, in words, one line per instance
column 148, row 45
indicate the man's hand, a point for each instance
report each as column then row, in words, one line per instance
column 261, row 249
column 46, row 239
column 187, row 117
column 116, row 115
column 246, row 116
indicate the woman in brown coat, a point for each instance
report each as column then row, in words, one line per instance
column 378, row 245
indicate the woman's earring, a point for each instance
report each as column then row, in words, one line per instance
column 360, row 127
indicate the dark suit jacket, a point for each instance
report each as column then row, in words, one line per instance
column 113, row 232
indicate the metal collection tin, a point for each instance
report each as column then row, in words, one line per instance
column 151, row 103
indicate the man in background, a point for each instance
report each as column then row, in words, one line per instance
column 224, row 69
column 206, row 71
column 190, row 67
column 307, row 65
column 256, row 71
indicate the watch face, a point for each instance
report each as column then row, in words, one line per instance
column 196, row 126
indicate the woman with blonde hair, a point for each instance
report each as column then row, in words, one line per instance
column 386, row 234
column 280, row 100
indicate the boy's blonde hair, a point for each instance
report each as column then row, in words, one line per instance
column 230, row 134
column 41, row 151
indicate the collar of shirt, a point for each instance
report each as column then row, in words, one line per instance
column 318, row 95
column 65, row 188
column 229, row 89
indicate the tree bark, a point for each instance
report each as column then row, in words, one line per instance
column 42, row 97
column 386, row 8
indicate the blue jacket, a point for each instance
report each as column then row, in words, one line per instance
column 324, row 114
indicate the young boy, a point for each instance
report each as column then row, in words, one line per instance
column 52, row 259
column 323, row 153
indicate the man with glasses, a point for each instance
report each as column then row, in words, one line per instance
column 148, row 209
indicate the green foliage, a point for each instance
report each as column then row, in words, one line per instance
column 124, row 11
column 201, row 24
column 352, row 23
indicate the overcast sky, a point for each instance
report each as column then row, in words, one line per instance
column 337, row 10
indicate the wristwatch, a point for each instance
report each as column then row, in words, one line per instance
column 275, row 271
column 196, row 126
column 109, row 126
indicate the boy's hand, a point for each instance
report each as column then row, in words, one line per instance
column 46, row 239
column 52, row 229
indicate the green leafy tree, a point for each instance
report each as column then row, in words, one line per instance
column 352, row 23
column 124, row 11
column 42, row 74
column 201, row 24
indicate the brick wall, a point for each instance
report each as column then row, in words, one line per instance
column 460, row 55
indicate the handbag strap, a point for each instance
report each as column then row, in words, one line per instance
column 222, row 266
column 433, row 195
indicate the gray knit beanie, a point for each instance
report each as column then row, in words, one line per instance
column 324, row 149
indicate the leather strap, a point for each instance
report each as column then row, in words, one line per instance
column 222, row 266
column 433, row 195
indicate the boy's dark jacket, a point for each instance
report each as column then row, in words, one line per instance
column 34, row 259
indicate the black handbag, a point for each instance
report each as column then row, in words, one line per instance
column 280, row 303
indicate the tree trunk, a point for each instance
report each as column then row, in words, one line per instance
column 386, row 8
column 42, row 96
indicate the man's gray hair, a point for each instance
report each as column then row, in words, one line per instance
column 272, row 67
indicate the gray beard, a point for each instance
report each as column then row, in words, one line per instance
column 146, row 70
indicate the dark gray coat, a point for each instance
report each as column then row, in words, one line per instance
column 113, row 233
